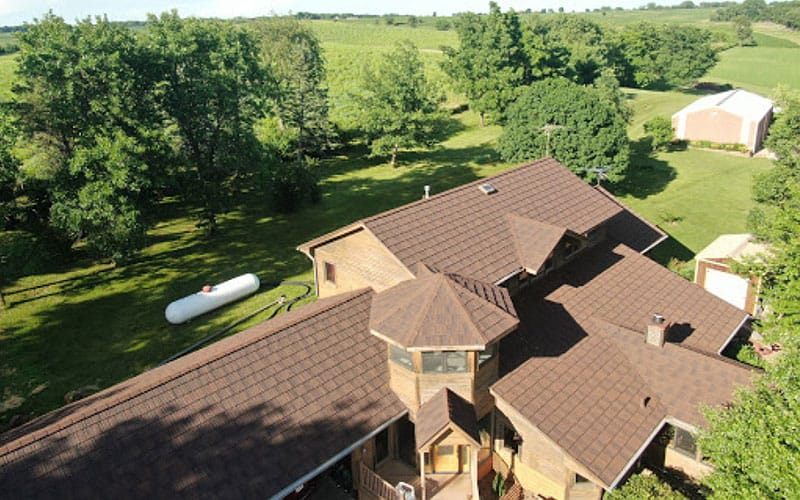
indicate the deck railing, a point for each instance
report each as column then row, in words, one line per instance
column 375, row 484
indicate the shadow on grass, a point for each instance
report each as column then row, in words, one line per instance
column 647, row 175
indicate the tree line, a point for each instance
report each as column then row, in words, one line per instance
column 785, row 13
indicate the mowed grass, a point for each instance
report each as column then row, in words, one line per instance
column 7, row 67
column 758, row 69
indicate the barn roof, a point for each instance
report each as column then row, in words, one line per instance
column 737, row 101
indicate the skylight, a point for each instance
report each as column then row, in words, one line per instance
column 487, row 188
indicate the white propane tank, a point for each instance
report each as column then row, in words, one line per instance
column 182, row 310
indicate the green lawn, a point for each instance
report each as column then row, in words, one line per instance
column 7, row 66
column 758, row 69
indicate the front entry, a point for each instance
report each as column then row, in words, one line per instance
column 448, row 459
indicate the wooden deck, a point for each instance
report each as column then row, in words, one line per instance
column 439, row 486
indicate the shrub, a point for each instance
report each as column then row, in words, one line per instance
column 641, row 487
column 660, row 129
column 290, row 184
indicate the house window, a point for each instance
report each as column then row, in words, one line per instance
column 330, row 272
column 684, row 442
column 402, row 357
column 488, row 354
column 444, row 362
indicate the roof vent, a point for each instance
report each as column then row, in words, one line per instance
column 487, row 188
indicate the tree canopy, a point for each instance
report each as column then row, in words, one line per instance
column 574, row 124
column 665, row 55
column 399, row 106
column 92, row 134
column 490, row 63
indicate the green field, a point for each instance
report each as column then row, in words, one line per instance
column 93, row 324
column 758, row 69
column 7, row 66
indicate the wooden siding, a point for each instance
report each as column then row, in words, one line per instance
column 460, row 383
column 404, row 383
column 541, row 466
column 690, row 466
column 486, row 376
column 361, row 261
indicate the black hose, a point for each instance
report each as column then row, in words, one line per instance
column 280, row 302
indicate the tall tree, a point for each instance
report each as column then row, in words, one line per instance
column 82, row 104
column 755, row 445
column 490, row 63
column 665, row 55
column 575, row 124
column 214, row 87
column 294, row 54
column 400, row 107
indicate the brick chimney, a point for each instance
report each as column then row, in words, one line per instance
column 656, row 333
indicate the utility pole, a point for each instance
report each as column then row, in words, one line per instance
column 548, row 129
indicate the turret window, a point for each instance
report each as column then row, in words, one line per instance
column 402, row 357
column 444, row 362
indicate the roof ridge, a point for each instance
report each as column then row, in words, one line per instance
column 451, row 285
column 134, row 391
column 455, row 189
column 423, row 311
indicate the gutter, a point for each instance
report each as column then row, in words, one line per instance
column 638, row 454
column 657, row 242
column 331, row 461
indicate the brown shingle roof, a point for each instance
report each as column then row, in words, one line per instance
column 445, row 408
column 589, row 401
column 631, row 229
column 534, row 240
column 244, row 417
column 681, row 378
column 462, row 230
column 581, row 378
column 623, row 287
column 436, row 311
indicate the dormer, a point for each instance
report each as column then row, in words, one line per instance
column 540, row 248
column 442, row 330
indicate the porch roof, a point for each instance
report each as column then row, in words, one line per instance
column 446, row 410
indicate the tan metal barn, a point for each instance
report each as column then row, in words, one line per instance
column 732, row 117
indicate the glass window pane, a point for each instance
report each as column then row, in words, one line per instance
column 432, row 362
column 685, row 442
column 484, row 356
column 402, row 358
column 456, row 362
